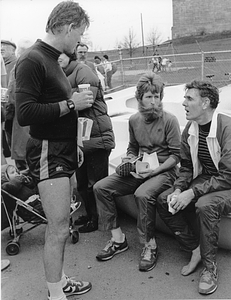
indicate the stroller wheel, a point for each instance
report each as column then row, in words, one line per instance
column 74, row 237
column 18, row 232
column 12, row 248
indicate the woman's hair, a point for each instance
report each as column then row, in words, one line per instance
column 149, row 82
column 205, row 89
column 64, row 13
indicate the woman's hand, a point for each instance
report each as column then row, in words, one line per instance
column 80, row 157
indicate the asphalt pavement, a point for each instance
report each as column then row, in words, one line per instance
column 116, row 279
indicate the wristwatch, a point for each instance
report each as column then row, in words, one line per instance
column 70, row 104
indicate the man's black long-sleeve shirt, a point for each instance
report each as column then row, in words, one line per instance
column 40, row 85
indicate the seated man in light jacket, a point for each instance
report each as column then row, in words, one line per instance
column 202, row 192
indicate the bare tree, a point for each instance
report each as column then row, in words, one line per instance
column 129, row 43
column 154, row 38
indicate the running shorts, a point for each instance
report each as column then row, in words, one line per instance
column 51, row 159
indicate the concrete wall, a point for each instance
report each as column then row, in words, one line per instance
column 198, row 17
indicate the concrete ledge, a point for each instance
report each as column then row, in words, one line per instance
column 128, row 205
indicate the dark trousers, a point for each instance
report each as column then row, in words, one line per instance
column 145, row 193
column 199, row 222
column 94, row 168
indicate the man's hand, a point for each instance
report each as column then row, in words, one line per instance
column 80, row 157
column 146, row 173
column 180, row 201
column 173, row 195
column 128, row 158
column 83, row 100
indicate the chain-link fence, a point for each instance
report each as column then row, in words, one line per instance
column 176, row 68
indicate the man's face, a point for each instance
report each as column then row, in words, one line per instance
column 72, row 38
column 81, row 53
column 150, row 100
column 193, row 105
column 151, row 106
column 7, row 50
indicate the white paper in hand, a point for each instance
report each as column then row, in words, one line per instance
column 84, row 130
column 152, row 159
column 171, row 209
column 141, row 166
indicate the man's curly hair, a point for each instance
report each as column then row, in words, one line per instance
column 206, row 89
column 65, row 13
column 149, row 82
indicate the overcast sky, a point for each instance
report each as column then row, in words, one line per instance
column 110, row 19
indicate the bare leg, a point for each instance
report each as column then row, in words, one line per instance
column 191, row 266
column 55, row 197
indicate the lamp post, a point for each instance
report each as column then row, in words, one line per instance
column 121, row 63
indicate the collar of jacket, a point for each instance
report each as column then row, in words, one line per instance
column 194, row 128
column 10, row 59
column 212, row 142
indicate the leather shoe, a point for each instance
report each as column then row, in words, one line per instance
column 89, row 227
column 81, row 220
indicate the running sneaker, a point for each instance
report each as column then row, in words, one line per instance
column 148, row 258
column 112, row 248
column 74, row 287
column 124, row 169
column 208, row 281
column 4, row 264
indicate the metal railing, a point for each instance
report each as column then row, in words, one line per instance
column 180, row 68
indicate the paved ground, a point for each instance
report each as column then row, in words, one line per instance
column 117, row 279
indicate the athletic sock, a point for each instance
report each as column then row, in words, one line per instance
column 63, row 279
column 117, row 235
column 56, row 291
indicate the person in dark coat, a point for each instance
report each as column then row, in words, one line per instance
column 98, row 148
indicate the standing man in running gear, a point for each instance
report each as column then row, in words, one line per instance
column 44, row 102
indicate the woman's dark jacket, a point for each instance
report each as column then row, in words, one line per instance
column 102, row 136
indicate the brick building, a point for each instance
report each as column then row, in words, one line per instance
column 199, row 17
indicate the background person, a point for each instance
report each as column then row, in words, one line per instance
column 43, row 101
column 8, row 49
column 3, row 74
column 4, row 86
column 81, row 54
column 20, row 135
column 150, row 130
column 100, row 71
column 99, row 65
column 108, row 71
column 155, row 62
column 202, row 190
